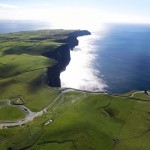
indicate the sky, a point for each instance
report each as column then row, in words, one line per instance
column 76, row 12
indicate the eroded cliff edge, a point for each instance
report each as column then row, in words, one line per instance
column 62, row 55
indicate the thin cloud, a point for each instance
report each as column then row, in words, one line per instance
column 8, row 6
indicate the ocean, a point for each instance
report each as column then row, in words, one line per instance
column 114, row 59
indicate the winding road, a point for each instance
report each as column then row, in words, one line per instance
column 31, row 115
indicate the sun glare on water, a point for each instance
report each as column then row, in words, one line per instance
column 80, row 73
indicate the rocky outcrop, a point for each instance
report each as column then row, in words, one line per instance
column 53, row 76
column 62, row 56
column 80, row 33
column 72, row 38
column 71, row 41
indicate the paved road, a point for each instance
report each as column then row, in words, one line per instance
column 136, row 93
column 29, row 114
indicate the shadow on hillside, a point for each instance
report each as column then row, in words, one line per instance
column 35, row 84
column 31, row 50
column 18, row 50
column 8, row 70
column 5, row 85
column 17, row 88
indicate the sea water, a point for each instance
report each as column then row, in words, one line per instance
column 115, row 58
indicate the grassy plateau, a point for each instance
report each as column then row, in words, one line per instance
column 73, row 120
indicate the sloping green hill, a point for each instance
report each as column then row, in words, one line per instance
column 23, row 67
column 36, row 116
column 83, row 120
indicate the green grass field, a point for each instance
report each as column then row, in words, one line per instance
column 22, row 66
column 92, row 121
column 80, row 120
column 11, row 113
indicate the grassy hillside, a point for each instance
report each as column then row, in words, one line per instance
column 85, row 121
column 10, row 113
column 22, row 66
column 69, row 119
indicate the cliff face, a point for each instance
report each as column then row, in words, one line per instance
column 71, row 41
column 53, row 76
column 62, row 56
column 80, row 33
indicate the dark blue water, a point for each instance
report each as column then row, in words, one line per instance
column 121, row 56
column 124, row 57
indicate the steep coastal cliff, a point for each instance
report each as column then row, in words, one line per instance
column 88, row 120
column 62, row 55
